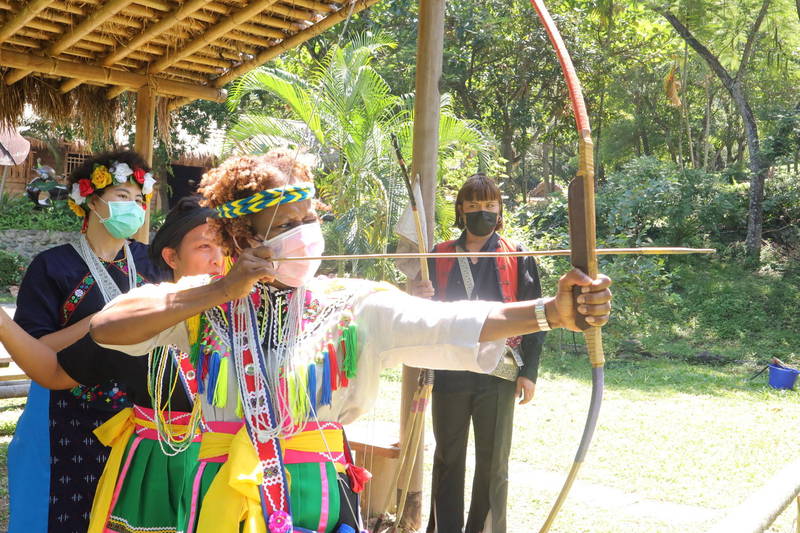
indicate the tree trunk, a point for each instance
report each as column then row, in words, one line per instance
column 758, row 167
column 707, row 124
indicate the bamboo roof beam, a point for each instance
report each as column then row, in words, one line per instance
column 287, row 44
column 44, row 25
column 313, row 5
column 88, row 25
column 213, row 33
column 21, row 18
column 254, row 40
column 68, row 85
column 266, row 20
column 163, row 25
column 295, row 40
column 296, row 14
column 185, row 65
column 208, row 61
column 116, row 91
column 260, row 31
column 85, row 27
column 99, row 74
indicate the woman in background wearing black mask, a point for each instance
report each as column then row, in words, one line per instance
column 487, row 400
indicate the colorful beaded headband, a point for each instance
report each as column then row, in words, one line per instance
column 102, row 176
column 264, row 199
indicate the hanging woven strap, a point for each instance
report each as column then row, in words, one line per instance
column 108, row 287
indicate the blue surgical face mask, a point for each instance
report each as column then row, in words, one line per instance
column 124, row 218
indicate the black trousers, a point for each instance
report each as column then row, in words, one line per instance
column 491, row 411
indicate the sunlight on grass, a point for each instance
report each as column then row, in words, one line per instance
column 677, row 444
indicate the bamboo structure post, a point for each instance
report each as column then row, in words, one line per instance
column 145, row 129
column 430, row 46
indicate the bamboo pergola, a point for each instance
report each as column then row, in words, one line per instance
column 160, row 49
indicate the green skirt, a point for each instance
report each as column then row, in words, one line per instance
column 151, row 487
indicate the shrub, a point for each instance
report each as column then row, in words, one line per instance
column 19, row 213
column 12, row 267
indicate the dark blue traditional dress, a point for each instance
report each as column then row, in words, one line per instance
column 54, row 460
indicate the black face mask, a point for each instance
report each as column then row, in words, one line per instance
column 481, row 223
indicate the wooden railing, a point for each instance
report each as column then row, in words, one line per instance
column 757, row 513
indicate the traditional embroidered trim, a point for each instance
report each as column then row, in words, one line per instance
column 264, row 199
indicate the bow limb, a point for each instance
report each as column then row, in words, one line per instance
column 582, row 234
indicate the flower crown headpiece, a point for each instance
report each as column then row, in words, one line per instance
column 102, row 176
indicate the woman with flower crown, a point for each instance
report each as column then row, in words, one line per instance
column 281, row 359
column 54, row 460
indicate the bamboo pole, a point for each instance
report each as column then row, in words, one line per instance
column 68, row 85
column 311, row 4
column 145, row 128
column 252, row 31
column 163, row 25
column 21, row 18
column 237, row 18
column 257, row 41
column 297, row 14
column 208, row 61
column 39, row 24
column 266, row 20
column 72, row 69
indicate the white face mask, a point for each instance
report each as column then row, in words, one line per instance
column 305, row 240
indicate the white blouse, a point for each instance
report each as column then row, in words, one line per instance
column 393, row 328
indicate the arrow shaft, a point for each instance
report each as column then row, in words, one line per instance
column 539, row 253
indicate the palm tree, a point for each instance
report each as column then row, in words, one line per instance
column 345, row 114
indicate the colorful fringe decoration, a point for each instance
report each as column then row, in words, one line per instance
column 312, row 389
column 221, row 389
column 326, row 388
column 350, row 336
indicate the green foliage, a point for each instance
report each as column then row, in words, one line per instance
column 19, row 213
column 344, row 113
column 12, row 267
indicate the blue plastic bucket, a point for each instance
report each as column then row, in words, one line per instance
column 781, row 377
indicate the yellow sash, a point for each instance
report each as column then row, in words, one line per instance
column 116, row 432
column 233, row 496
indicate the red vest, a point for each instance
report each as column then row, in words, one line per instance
column 506, row 269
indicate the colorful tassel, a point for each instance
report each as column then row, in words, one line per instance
column 213, row 374
column 334, row 361
column 326, row 392
column 239, row 408
column 312, row 389
column 351, row 351
column 343, row 381
column 221, row 389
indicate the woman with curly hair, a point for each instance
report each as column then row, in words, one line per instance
column 285, row 358
column 54, row 460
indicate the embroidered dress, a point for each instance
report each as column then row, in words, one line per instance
column 54, row 460
column 299, row 387
column 141, row 486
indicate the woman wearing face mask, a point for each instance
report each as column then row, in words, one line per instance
column 295, row 357
column 54, row 460
column 148, row 497
column 486, row 400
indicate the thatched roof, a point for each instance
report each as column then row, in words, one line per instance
column 71, row 59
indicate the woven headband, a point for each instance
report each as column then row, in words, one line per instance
column 264, row 199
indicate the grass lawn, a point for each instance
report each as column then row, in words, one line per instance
column 676, row 445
